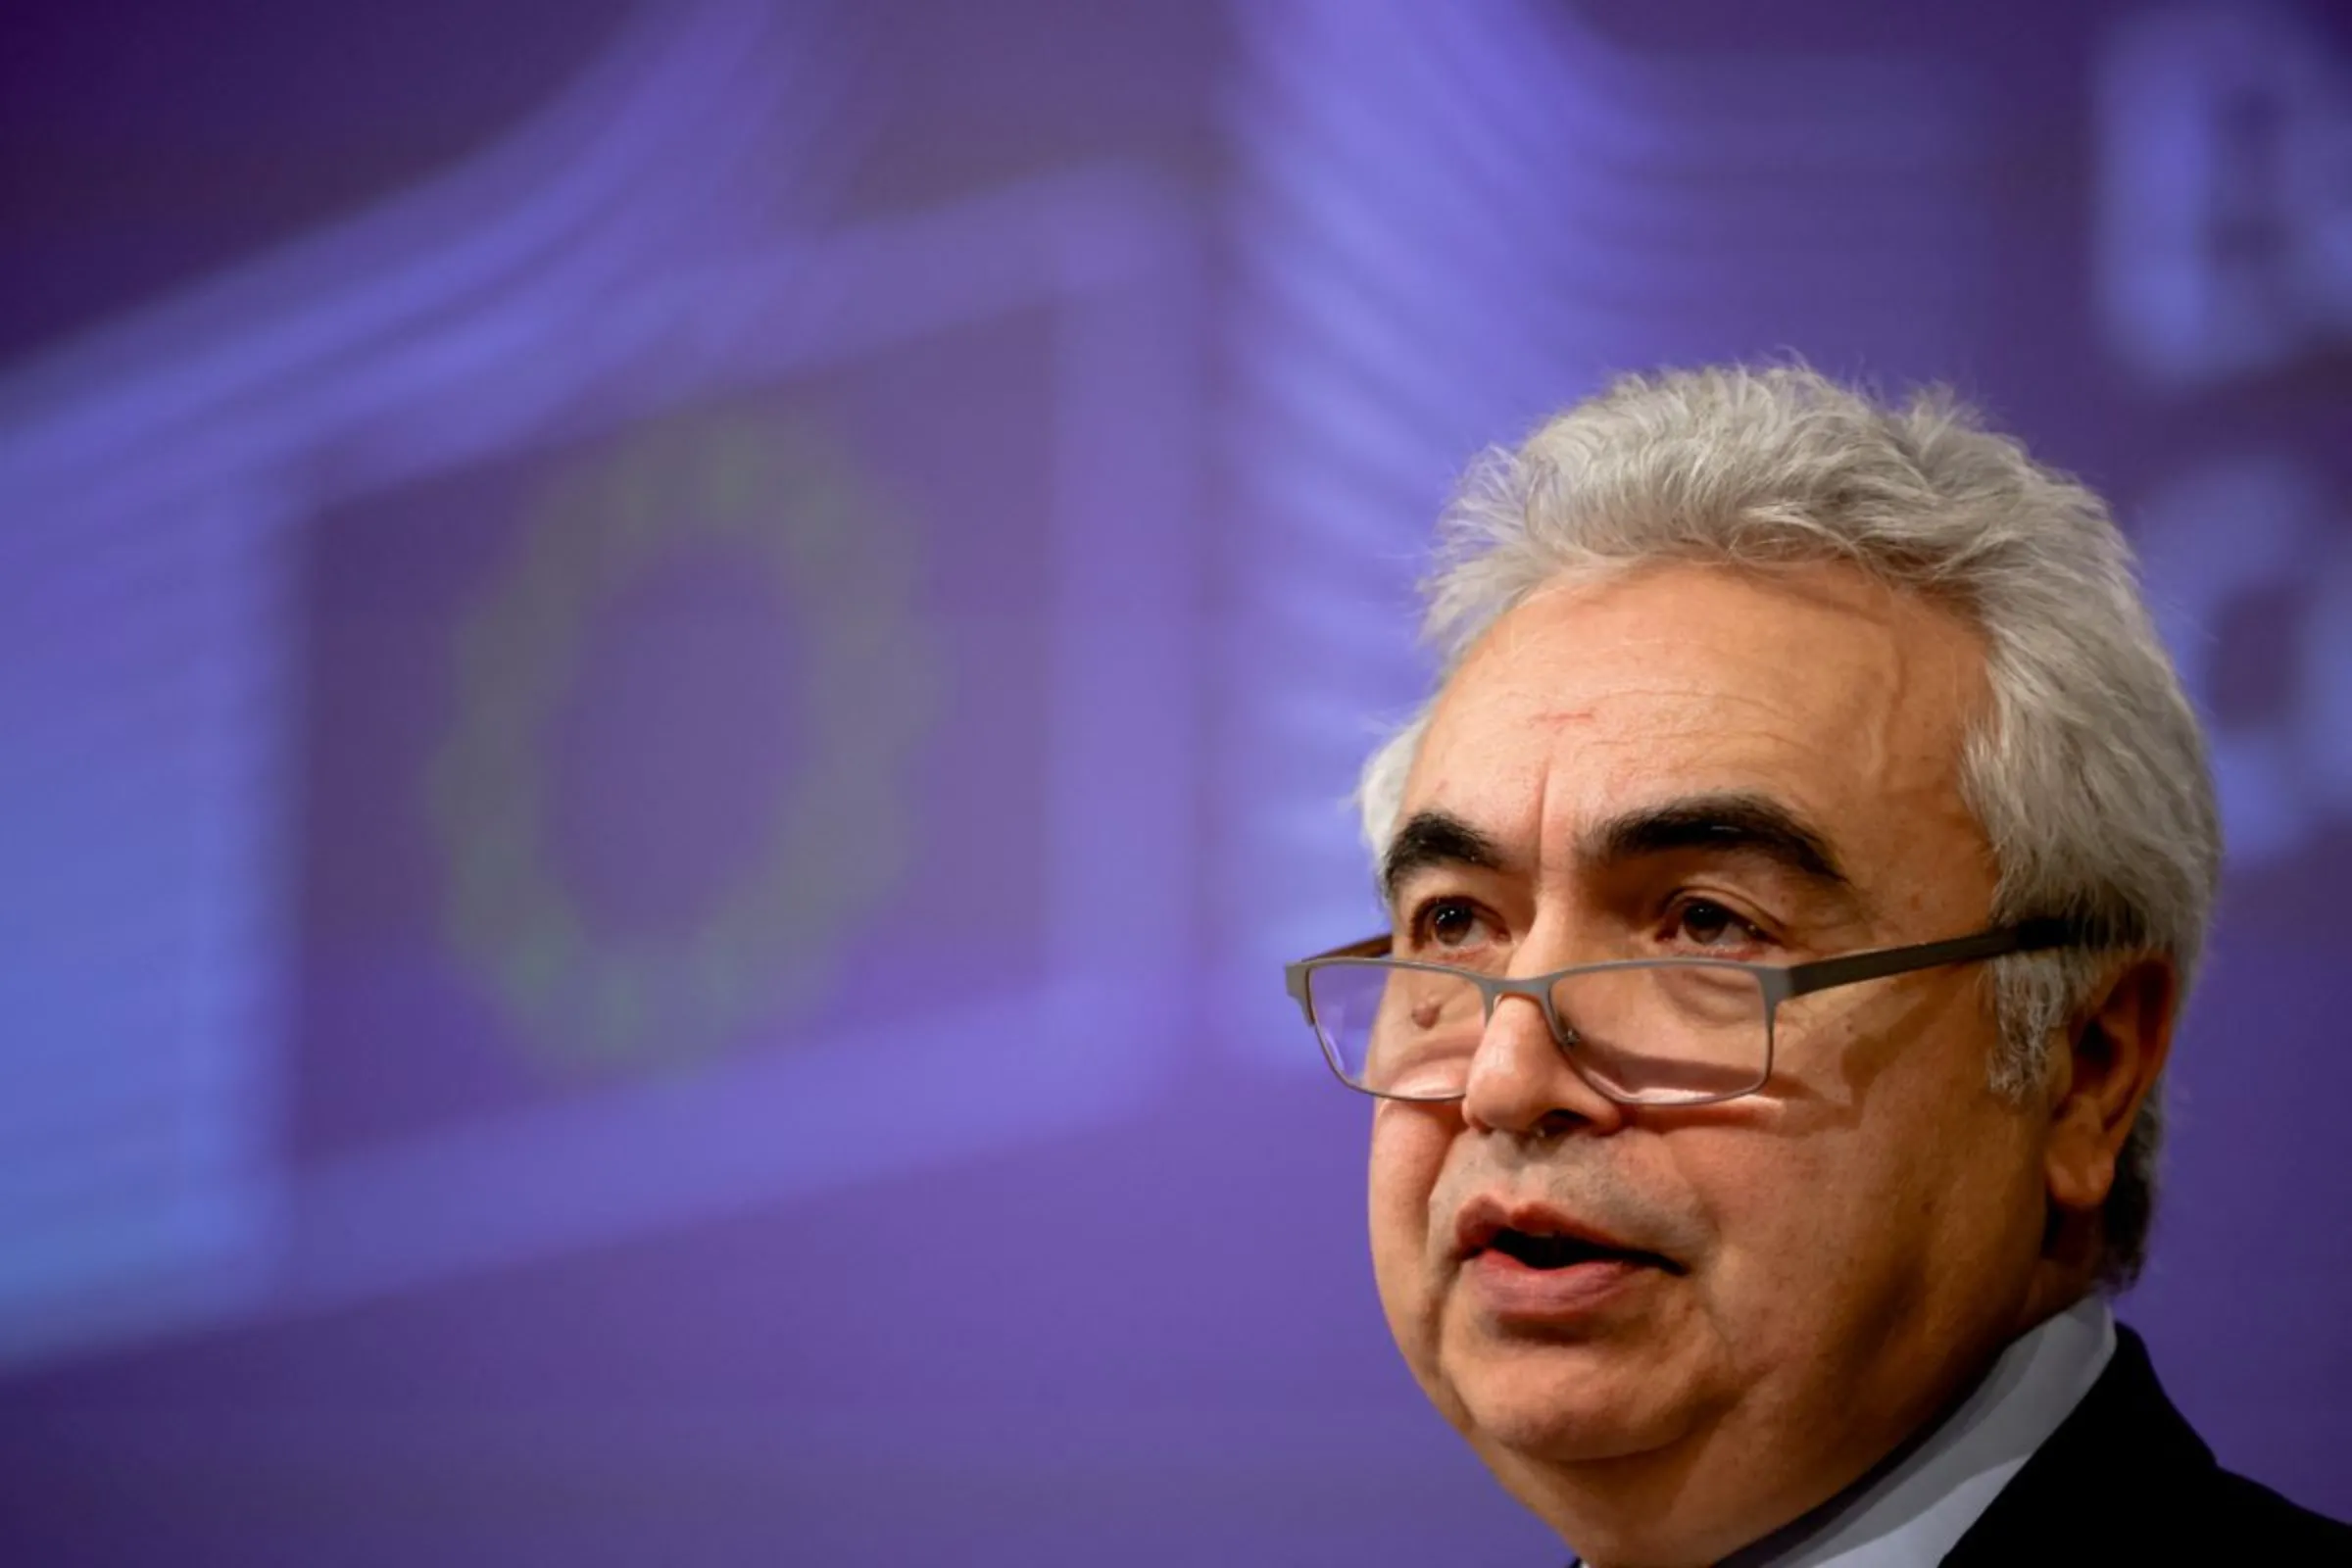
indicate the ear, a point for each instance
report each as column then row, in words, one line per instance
column 2117, row 1051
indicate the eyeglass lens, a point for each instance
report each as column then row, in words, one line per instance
column 1659, row 1034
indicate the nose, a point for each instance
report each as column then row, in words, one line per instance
column 1522, row 1082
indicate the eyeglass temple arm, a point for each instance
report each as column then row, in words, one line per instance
column 1294, row 975
column 2027, row 936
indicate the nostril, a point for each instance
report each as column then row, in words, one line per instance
column 1552, row 1124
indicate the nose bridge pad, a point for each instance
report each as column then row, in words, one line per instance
column 1491, row 995
column 1534, row 995
column 1556, row 1027
column 1563, row 1033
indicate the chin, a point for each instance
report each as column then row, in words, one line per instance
column 1562, row 1404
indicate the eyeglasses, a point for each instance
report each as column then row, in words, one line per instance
column 1641, row 1031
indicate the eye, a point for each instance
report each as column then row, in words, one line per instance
column 1705, row 923
column 1449, row 925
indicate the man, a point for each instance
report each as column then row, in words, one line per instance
column 1716, row 1241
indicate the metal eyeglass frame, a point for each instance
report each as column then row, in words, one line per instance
column 1777, row 981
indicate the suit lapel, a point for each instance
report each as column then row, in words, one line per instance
column 2124, row 1474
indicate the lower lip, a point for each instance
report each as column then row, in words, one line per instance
column 1510, row 1292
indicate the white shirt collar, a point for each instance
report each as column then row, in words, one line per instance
column 1910, row 1513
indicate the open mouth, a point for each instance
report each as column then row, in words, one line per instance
column 1551, row 1251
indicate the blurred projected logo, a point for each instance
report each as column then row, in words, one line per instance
column 2227, row 225
column 673, row 786
column 2248, row 564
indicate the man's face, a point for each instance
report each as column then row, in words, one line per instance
column 1833, row 1253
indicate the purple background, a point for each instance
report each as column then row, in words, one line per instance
column 672, row 680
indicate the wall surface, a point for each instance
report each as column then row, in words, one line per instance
column 672, row 680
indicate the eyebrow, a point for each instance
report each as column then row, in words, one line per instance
column 1431, row 839
column 1730, row 823
column 1734, row 823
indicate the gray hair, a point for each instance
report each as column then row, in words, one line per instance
column 2088, row 775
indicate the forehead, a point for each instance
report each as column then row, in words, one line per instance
column 1819, row 688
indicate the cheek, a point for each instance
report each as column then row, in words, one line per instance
column 1775, row 1206
column 1408, row 1152
column 1850, row 1215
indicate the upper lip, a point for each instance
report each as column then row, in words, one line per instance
column 1490, row 1214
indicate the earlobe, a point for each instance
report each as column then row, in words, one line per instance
column 2117, row 1056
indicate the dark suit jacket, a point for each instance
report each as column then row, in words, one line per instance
column 2126, row 1480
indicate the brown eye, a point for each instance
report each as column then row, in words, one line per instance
column 1450, row 926
column 1451, row 922
column 1707, row 924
